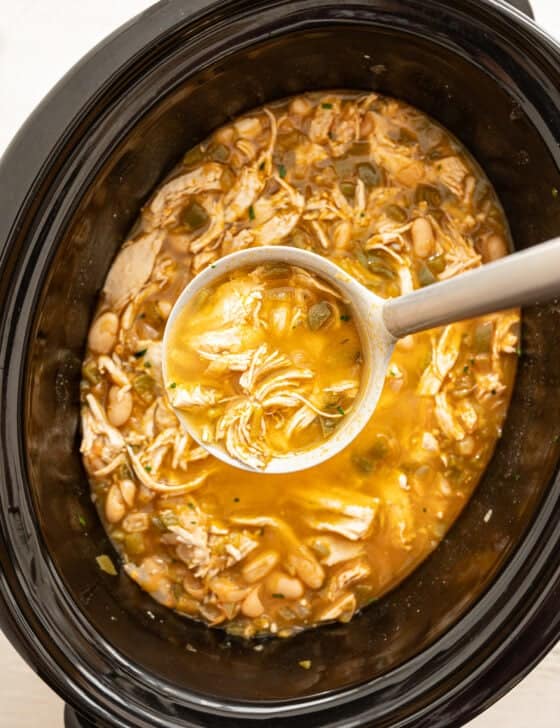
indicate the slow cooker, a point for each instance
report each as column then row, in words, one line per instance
column 483, row 609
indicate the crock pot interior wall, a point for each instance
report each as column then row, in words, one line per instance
column 496, row 128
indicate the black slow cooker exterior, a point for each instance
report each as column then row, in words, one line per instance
column 477, row 615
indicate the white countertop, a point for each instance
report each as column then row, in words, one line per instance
column 39, row 41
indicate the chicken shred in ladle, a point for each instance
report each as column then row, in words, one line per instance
column 528, row 277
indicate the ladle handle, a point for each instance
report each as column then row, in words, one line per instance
column 529, row 277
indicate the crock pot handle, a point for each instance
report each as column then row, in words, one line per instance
column 523, row 5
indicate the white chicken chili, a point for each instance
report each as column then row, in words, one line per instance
column 397, row 202
column 267, row 362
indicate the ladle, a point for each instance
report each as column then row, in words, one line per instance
column 528, row 277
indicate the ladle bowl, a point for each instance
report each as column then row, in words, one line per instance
column 532, row 276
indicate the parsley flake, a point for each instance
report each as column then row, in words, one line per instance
column 251, row 212
column 281, row 170
column 340, row 410
column 139, row 354
column 326, row 106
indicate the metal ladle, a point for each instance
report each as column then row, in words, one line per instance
column 528, row 277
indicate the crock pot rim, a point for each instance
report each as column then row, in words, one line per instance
column 163, row 17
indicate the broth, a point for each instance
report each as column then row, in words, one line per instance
column 397, row 202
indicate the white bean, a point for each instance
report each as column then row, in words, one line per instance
column 422, row 237
column 259, row 566
column 103, row 334
column 288, row 587
column 114, row 505
column 300, row 106
column 494, row 247
column 252, row 606
column 308, row 569
column 228, row 591
column 224, row 135
column 249, row 128
column 119, row 406
column 128, row 491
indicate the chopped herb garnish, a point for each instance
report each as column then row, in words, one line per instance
column 148, row 468
column 281, row 170
column 326, row 106
column 466, row 368
column 518, row 351
column 340, row 410
column 278, row 596
column 261, row 166
column 82, row 521
column 213, row 265
column 139, row 354
column 306, row 664
column 172, row 385
column 191, row 505
column 554, row 192
column 345, row 317
column 147, row 364
column 251, row 212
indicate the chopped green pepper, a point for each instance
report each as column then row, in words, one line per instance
column 194, row 216
column 429, row 194
column 134, row 543
column 219, row 153
column 91, row 373
column 425, row 275
column 483, row 337
column 318, row 315
column 368, row 174
column 396, row 213
column 436, row 264
column 144, row 386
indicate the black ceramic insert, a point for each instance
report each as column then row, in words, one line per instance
column 478, row 614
